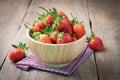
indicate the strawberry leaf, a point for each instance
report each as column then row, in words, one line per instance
column 93, row 34
column 15, row 46
column 74, row 19
column 21, row 45
column 42, row 17
column 60, row 36
column 36, row 35
column 74, row 35
column 48, row 30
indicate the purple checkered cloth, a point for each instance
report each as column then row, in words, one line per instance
column 33, row 62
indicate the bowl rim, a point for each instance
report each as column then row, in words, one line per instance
column 28, row 35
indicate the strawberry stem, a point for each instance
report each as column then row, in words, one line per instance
column 75, row 21
column 93, row 35
column 27, row 25
column 45, row 10
column 15, row 46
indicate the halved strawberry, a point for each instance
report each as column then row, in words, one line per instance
column 38, row 27
column 45, row 39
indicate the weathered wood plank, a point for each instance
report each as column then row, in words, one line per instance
column 11, row 15
column 78, row 8
column 105, row 17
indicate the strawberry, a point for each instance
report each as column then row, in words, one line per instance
column 38, row 27
column 79, row 30
column 74, row 38
column 64, row 37
column 45, row 39
column 64, row 25
column 49, row 19
column 62, row 13
column 18, row 52
column 96, row 43
column 53, row 36
column 78, row 27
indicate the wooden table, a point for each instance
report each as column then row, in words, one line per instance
column 102, row 16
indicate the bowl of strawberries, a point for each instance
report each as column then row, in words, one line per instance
column 55, row 39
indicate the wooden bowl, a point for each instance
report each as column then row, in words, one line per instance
column 56, row 55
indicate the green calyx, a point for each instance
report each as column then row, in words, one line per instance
column 57, row 21
column 74, row 19
column 36, row 35
column 48, row 30
column 91, row 37
column 60, row 35
column 21, row 45
column 43, row 16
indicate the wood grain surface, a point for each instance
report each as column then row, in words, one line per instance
column 11, row 15
column 103, row 16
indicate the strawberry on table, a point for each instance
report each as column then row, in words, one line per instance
column 18, row 52
column 96, row 43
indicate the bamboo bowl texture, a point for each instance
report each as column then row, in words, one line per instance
column 56, row 54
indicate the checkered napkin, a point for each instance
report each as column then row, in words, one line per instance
column 33, row 62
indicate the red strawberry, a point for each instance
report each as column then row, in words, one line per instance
column 79, row 30
column 49, row 19
column 38, row 27
column 18, row 52
column 45, row 39
column 74, row 38
column 53, row 36
column 64, row 25
column 64, row 38
column 62, row 13
column 96, row 43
